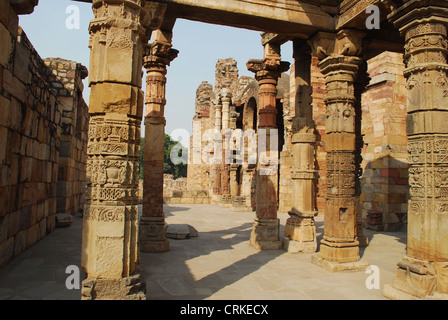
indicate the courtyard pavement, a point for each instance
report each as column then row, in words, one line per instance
column 219, row 264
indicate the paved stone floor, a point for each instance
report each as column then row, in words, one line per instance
column 217, row 265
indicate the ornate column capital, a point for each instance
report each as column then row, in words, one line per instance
column 159, row 54
column 267, row 69
column 346, row 42
column 417, row 11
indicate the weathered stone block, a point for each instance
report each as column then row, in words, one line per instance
column 6, row 45
column 4, row 224
column 3, row 143
column 180, row 231
column 6, row 251
column 419, row 285
column 32, row 235
column 13, row 85
column 21, row 63
column 5, row 109
column 441, row 269
column 128, row 288
column 63, row 220
column 19, row 243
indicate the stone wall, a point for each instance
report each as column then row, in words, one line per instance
column 31, row 119
column 30, row 126
column 384, row 183
column 198, row 172
column 67, row 83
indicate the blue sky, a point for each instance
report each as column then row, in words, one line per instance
column 200, row 46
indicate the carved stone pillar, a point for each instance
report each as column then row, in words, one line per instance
column 265, row 233
column 152, row 224
column 423, row 272
column 218, row 143
column 300, row 230
column 226, row 198
column 110, row 254
column 339, row 249
column 226, row 109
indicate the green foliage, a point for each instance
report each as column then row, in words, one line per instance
column 178, row 170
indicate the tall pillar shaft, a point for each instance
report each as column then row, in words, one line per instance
column 423, row 271
column 152, row 225
column 340, row 243
column 265, row 233
column 339, row 249
column 110, row 253
column 300, row 230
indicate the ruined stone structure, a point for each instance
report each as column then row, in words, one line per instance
column 67, row 84
column 332, row 44
column 43, row 133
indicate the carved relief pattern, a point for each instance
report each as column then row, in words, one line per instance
column 113, row 137
column 111, row 213
column 426, row 51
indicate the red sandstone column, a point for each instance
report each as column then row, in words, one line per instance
column 152, row 223
column 423, row 271
column 265, row 233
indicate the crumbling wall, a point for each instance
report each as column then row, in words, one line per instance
column 384, row 183
column 67, row 83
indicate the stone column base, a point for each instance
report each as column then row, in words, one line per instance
column 300, row 235
column 293, row 246
column 265, row 234
column 339, row 252
column 338, row 266
column 419, row 279
column 225, row 201
column 394, row 294
column 152, row 235
column 129, row 288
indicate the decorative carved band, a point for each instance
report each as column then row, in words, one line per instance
column 112, row 172
column 99, row 193
column 111, row 213
column 428, row 150
column 303, row 175
column 303, row 138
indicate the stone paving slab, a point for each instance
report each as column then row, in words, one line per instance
column 219, row 264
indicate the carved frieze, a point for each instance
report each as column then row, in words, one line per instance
column 111, row 213
column 102, row 171
column 432, row 150
column 109, row 136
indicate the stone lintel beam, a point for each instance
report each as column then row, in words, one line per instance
column 296, row 18
column 353, row 12
column 268, row 37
